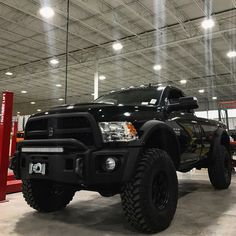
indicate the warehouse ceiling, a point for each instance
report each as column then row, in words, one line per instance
column 164, row 32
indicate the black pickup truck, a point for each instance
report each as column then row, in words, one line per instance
column 129, row 142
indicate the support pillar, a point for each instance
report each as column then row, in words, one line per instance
column 5, row 130
column 96, row 81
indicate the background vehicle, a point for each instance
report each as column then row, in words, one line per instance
column 130, row 143
column 20, row 136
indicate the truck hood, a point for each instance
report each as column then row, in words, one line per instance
column 108, row 112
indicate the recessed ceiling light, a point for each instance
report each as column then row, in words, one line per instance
column 102, row 77
column 208, row 23
column 18, row 112
column 39, row 110
column 8, row 73
column 214, row 98
column 60, row 99
column 201, row 90
column 117, row 46
column 58, row 85
column 32, row 103
column 231, row 54
column 23, row 91
column 183, row 81
column 54, row 61
column 157, row 67
column 46, row 12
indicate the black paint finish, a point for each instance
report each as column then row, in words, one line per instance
column 193, row 135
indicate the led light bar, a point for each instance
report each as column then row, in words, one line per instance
column 43, row 149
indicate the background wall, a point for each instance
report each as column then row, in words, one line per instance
column 213, row 114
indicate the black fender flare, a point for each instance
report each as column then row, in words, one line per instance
column 220, row 137
column 152, row 127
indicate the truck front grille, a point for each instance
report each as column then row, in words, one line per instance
column 39, row 125
column 60, row 126
column 72, row 123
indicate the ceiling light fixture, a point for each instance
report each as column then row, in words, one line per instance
column 201, row 90
column 54, row 61
column 157, row 67
column 231, row 54
column 102, row 77
column 214, row 98
column 183, row 81
column 60, row 99
column 32, row 103
column 58, row 85
column 23, row 91
column 38, row 110
column 117, row 46
column 8, row 73
column 46, row 12
column 208, row 23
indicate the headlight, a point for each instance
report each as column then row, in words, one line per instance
column 118, row 131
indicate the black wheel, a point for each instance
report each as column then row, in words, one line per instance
column 150, row 199
column 45, row 195
column 220, row 168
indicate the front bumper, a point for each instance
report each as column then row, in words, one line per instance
column 77, row 164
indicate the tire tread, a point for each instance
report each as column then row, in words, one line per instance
column 39, row 202
column 131, row 197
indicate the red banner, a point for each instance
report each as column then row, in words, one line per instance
column 227, row 104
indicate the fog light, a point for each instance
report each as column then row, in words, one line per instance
column 110, row 164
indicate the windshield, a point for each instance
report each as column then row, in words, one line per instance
column 145, row 96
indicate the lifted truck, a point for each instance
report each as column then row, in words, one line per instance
column 131, row 143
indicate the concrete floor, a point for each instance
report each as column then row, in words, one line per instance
column 201, row 211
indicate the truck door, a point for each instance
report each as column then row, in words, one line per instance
column 188, row 132
column 187, row 128
column 190, row 138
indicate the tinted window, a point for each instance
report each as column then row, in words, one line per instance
column 147, row 96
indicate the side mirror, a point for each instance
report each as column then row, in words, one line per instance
column 183, row 103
